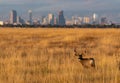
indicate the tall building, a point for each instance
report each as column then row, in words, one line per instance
column 104, row 21
column 42, row 19
column 30, row 17
column 45, row 21
column 55, row 21
column 13, row 17
column 51, row 19
column 86, row 20
column 95, row 19
column 76, row 20
column 20, row 20
column 61, row 19
column 1, row 23
column 80, row 19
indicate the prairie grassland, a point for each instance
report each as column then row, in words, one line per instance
column 47, row 55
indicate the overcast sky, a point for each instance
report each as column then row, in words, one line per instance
column 108, row 8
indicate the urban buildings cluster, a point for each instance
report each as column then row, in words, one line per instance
column 93, row 20
column 51, row 19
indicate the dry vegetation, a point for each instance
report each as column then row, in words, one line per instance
column 47, row 56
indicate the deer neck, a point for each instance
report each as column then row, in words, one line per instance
column 80, row 57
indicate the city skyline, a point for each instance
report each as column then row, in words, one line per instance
column 50, row 19
column 106, row 8
column 56, row 20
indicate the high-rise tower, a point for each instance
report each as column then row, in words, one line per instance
column 95, row 18
column 13, row 17
column 30, row 17
column 61, row 19
column 104, row 21
column 51, row 19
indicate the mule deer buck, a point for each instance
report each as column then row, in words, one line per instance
column 86, row 62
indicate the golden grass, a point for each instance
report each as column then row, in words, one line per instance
column 46, row 55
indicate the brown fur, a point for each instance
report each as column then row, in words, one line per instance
column 86, row 62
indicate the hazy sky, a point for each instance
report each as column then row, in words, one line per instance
column 107, row 8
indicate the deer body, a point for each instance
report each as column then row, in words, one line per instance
column 86, row 62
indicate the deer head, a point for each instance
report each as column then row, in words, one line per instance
column 79, row 54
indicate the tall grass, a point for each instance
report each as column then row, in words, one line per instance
column 47, row 55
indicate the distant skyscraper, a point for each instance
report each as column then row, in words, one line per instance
column 51, row 19
column 76, row 20
column 61, row 19
column 80, row 19
column 95, row 19
column 86, row 20
column 30, row 17
column 55, row 21
column 45, row 21
column 13, row 17
column 104, row 21
column 1, row 23
column 42, row 19
column 20, row 20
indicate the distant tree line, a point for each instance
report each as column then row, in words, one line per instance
column 58, row 26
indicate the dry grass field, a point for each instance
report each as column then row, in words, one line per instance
column 47, row 55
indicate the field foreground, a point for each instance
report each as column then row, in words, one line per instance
column 47, row 55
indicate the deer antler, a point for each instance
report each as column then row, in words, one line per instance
column 76, row 53
column 81, row 53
